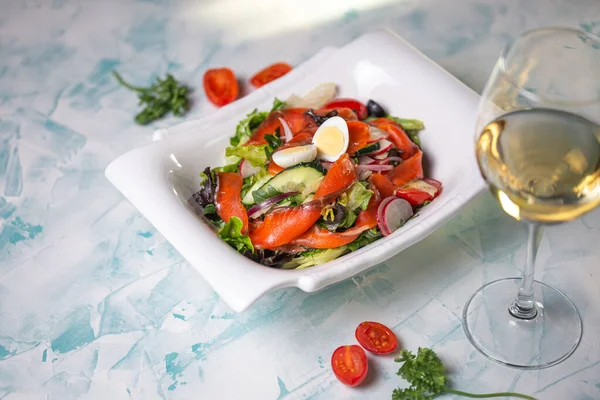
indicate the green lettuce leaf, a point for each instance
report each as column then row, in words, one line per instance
column 210, row 209
column 411, row 127
column 314, row 257
column 365, row 238
column 256, row 155
column 244, row 128
column 408, row 124
column 232, row 234
column 358, row 197
column 348, row 220
column 228, row 168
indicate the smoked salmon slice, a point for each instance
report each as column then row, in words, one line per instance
column 408, row 170
column 397, row 136
column 228, row 200
column 359, row 136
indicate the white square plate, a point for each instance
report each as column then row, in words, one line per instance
column 160, row 177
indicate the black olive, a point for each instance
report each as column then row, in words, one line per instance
column 319, row 119
column 375, row 110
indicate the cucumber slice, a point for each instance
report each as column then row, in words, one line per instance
column 368, row 149
column 297, row 178
column 248, row 198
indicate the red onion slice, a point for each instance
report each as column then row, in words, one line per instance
column 286, row 130
column 261, row 208
column 365, row 160
column 374, row 167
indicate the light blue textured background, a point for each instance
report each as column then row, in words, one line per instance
column 94, row 304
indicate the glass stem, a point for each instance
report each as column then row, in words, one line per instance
column 523, row 307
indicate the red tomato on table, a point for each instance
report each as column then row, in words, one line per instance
column 350, row 364
column 220, row 86
column 270, row 73
column 376, row 338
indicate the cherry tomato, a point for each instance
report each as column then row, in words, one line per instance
column 359, row 108
column 270, row 73
column 435, row 184
column 419, row 191
column 376, row 338
column 350, row 364
column 220, row 86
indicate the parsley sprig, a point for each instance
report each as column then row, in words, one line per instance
column 427, row 377
column 163, row 96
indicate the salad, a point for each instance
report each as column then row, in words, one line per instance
column 314, row 178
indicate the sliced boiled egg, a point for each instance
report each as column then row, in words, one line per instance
column 295, row 155
column 331, row 139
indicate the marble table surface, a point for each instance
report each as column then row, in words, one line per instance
column 95, row 304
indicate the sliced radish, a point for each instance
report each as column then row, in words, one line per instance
column 384, row 147
column 381, row 156
column 377, row 134
column 247, row 169
column 390, row 159
column 393, row 212
column 365, row 160
column 375, row 140
column 380, row 219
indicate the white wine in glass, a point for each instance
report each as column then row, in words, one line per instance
column 538, row 148
column 542, row 165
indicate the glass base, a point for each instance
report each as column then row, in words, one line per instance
column 540, row 342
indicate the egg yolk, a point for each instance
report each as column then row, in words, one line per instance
column 330, row 141
column 295, row 149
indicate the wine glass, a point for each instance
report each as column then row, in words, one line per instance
column 538, row 148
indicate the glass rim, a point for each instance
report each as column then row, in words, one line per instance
column 528, row 93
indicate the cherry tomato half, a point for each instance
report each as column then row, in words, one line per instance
column 359, row 108
column 376, row 338
column 419, row 191
column 350, row 364
column 220, row 86
column 270, row 73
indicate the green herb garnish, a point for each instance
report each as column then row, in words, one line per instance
column 166, row 95
column 427, row 377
